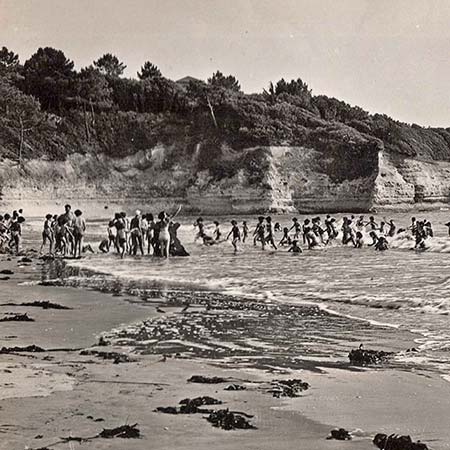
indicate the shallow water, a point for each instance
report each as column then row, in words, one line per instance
column 400, row 287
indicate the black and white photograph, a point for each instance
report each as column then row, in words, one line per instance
column 224, row 225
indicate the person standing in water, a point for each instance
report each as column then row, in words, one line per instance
column 236, row 233
column 296, row 227
column 244, row 231
column 47, row 234
column 164, row 234
column 259, row 233
column 79, row 229
column 270, row 232
column 217, row 233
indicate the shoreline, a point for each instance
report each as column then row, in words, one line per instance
column 72, row 387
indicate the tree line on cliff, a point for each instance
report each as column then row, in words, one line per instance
column 49, row 109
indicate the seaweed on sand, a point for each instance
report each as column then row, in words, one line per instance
column 396, row 442
column 228, row 420
column 362, row 356
column 340, row 434
column 16, row 317
column 124, row 431
column 28, row 349
column 206, row 380
column 115, row 356
column 288, row 388
column 190, row 406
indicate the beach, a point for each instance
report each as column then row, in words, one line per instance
column 70, row 390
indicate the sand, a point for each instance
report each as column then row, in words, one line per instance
column 60, row 392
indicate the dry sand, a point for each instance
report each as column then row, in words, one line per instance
column 61, row 393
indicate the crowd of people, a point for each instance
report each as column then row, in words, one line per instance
column 11, row 231
column 64, row 233
column 143, row 234
column 313, row 233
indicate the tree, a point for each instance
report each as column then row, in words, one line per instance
column 110, row 65
column 294, row 87
column 149, row 70
column 92, row 92
column 9, row 62
column 228, row 82
column 19, row 114
column 48, row 76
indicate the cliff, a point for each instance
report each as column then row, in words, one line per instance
column 278, row 153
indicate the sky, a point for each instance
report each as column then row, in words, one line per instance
column 387, row 56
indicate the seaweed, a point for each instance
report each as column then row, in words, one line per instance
column 234, row 387
column 16, row 317
column 340, row 434
column 396, row 442
column 228, row 420
column 206, row 380
column 28, row 349
column 124, row 431
column 117, row 358
column 288, row 388
column 190, row 406
column 364, row 357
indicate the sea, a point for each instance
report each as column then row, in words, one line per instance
column 398, row 289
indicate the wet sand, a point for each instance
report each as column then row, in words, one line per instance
column 60, row 392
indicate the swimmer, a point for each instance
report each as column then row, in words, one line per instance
column 296, row 227
column 277, row 227
column 137, row 241
column 374, row 238
column 164, row 235
column 47, row 234
column 286, row 239
column 359, row 241
column 16, row 233
column 295, row 248
column 392, row 228
column 217, row 233
column 79, row 230
column 382, row 244
column 372, row 224
column 269, row 239
column 236, row 233
column 244, row 231
column 258, row 234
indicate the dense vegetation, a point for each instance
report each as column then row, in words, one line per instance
column 49, row 109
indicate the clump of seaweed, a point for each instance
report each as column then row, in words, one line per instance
column 228, row 420
column 396, row 442
column 340, row 434
column 288, row 388
column 206, row 380
column 363, row 357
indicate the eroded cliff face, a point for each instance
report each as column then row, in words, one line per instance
column 276, row 179
column 405, row 183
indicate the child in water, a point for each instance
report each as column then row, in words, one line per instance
column 296, row 227
column 217, row 233
column 244, row 231
column 381, row 244
column 295, row 248
column 236, row 235
column 286, row 239
column 359, row 241
column 270, row 232
column 258, row 234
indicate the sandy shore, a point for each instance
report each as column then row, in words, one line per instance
column 60, row 392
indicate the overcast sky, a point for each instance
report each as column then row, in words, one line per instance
column 387, row 56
